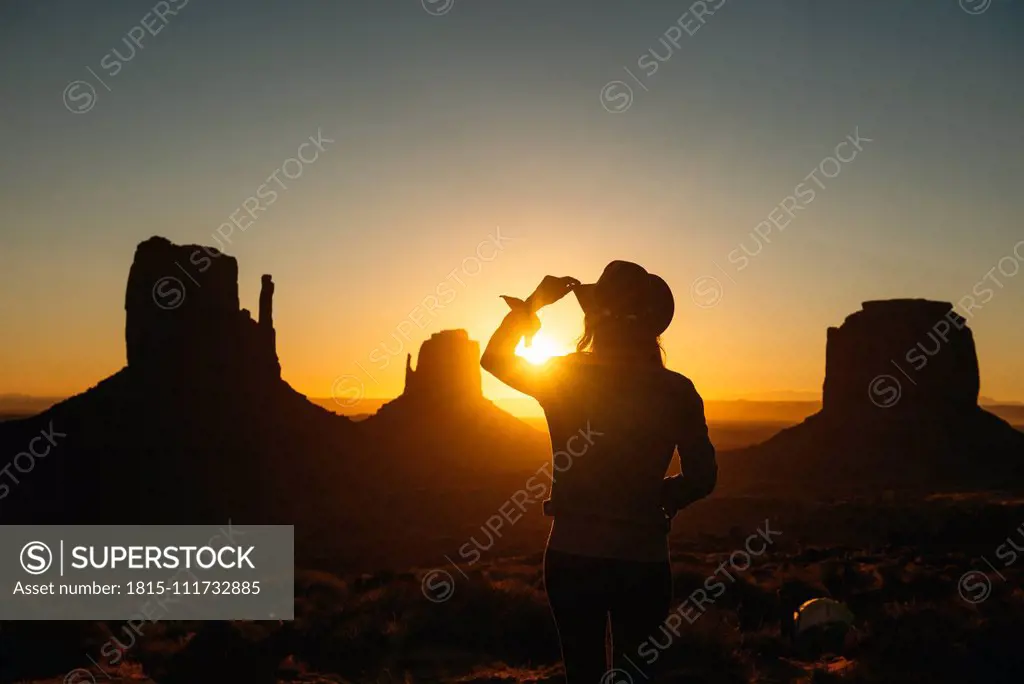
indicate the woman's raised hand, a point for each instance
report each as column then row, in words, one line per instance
column 550, row 290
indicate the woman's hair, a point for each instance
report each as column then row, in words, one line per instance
column 620, row 339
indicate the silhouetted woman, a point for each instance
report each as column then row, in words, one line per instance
column 616, row 415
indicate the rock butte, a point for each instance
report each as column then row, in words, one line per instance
column 448, row 367
column 200, row 333
column 920, row 348
column 900, row 412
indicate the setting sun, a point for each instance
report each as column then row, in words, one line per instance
column 542, row 349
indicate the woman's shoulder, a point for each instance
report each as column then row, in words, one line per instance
column 680, row 383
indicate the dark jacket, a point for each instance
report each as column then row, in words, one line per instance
column 613, row 430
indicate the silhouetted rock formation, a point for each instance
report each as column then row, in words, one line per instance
column 443, row 414
column 183, row 321
column 267, row 302
column 900, row 412
column 448, row 368
column 198, row 427
column 926, row 346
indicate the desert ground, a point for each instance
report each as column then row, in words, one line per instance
column 934, row 583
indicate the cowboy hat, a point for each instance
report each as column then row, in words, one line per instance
column 626, row 290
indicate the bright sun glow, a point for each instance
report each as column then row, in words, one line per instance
column 542, row 349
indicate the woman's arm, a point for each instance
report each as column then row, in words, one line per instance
column 499, row 358
column 696, row 457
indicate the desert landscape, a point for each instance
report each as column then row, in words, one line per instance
column 576, row 342
column 418, row 560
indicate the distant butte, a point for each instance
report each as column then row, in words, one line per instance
column 199, row 426
column 900, row 412
column 442, row 411
column 448, row 368
column 918, row 349
column 182, row 317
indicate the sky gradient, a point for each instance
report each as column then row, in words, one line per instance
column 494, row 115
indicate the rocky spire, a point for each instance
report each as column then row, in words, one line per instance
column 266, row 302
